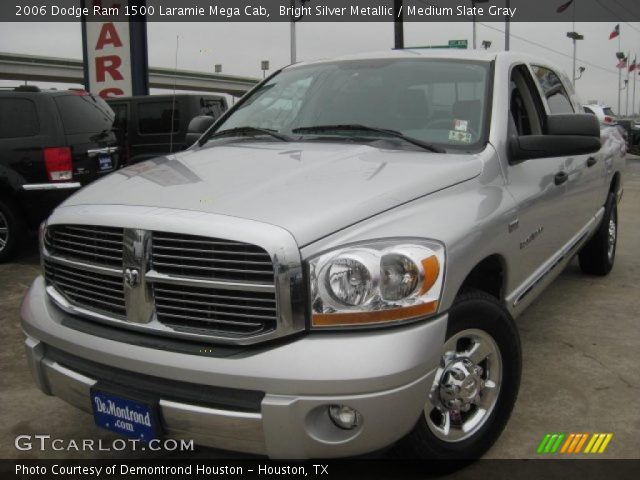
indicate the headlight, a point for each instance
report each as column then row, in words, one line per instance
column 376, row 282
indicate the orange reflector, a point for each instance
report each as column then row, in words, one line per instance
column 431, row 271
column 379, row 316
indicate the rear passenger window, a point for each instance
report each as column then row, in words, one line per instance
column 18, row 118
column 84, row 114
column 554, row 92
column 155, row 117
column 211, row 107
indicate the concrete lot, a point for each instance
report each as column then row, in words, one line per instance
column 581, row 343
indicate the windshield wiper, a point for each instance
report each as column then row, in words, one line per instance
column 244, row 131
column 364, row 128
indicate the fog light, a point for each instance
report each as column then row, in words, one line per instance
column 344, row 417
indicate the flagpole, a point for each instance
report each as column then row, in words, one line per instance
column 626, row 103
column 633, row 103
column 619, row 77
column 575, row 44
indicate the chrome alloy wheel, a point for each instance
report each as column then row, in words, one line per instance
column 4, row 232
column 611, row 239
column 466, row 386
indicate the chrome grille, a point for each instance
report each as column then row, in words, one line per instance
column 86, row 243
column 203, row 257
column 209, row 310
column 91, row 290
column 171, row 283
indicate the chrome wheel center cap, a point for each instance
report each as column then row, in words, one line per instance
column 460, row 384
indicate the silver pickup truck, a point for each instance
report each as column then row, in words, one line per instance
column 335, row 265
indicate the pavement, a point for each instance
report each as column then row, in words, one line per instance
column 580, row 340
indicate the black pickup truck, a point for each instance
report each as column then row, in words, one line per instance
column 52, row 142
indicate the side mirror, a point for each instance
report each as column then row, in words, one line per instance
column 570, row 134
column 197, row 126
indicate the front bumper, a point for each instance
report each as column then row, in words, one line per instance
column 384, row 374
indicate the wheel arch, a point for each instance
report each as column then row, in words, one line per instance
column 488, row 275
column 614, row 186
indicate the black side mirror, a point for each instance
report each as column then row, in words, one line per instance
column 197, row 126
column 570, row 134
column 579, row 124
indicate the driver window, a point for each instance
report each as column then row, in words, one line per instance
column 524, row 113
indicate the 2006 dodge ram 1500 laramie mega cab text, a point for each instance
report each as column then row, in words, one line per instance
column 335, row 265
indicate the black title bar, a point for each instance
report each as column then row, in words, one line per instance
column 618, row 11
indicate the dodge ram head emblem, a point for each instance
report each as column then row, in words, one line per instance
column 131, row 277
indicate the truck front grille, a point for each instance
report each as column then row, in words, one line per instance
column 195, row 285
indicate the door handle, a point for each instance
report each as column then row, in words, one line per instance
column 591, row 161
column 560, row 178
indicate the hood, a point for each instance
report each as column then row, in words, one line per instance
column 311, row 189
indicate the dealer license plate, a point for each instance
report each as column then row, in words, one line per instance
column 125, row 416
column 105, row 163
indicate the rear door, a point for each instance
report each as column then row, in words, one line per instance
column 538, row 231
column 88, row 127
column 22, row 138
column 586, row 172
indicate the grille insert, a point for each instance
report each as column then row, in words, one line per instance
column 95, row 291
column 203, row 257
column 200, row 309
column 98, row 245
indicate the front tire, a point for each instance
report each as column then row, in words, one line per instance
column 475, row 386
column 598, row 255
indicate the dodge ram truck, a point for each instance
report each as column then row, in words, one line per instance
column 335, row 266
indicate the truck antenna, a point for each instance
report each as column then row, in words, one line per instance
column 173, row 101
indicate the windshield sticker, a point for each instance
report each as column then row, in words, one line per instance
column 462, row 137
column 461, row 125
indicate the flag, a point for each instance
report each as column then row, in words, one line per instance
column 622, row 63
column 615, row 33
column 564, row 6
column 634, row 65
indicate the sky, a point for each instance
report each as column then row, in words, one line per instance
column 240, row 47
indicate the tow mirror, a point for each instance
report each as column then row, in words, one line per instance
column 566, row 135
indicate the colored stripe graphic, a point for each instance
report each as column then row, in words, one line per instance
column 573, row 443
column 581, row 443
column 543, row 443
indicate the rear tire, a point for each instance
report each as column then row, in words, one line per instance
column 446, row 432
column 598, row 255
column 11, row 230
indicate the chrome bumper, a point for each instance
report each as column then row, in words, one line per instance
column 385, row 375
column 30, row 187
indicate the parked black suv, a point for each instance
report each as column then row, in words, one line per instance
column 52, row 142
column 144, row 123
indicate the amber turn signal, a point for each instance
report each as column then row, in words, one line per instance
column 340, row 319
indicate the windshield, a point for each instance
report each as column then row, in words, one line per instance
column 436, row 101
